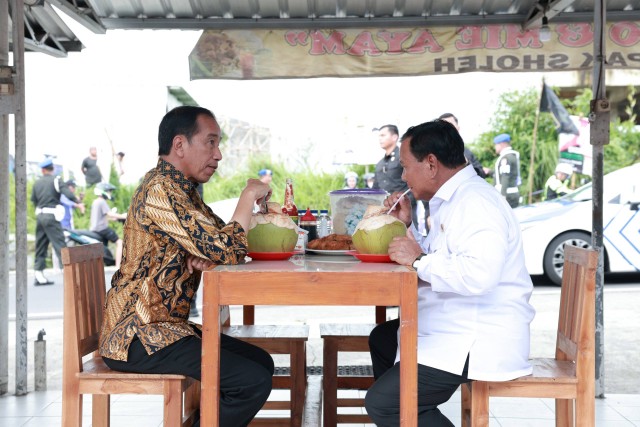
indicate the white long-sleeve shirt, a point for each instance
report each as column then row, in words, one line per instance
column 474, row 289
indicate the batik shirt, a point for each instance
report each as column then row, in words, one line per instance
column 151, row 293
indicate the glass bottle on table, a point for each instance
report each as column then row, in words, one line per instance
column 289, row 205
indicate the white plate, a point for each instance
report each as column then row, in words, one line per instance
column 327, row 252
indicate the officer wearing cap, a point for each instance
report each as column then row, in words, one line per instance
column 507, row 169
column 388, row 175
column 265, row 175
column 45, row 196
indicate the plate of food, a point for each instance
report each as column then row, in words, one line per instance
column 371, row 257
column 333, row 244
column 328, row 252
column 270, row 256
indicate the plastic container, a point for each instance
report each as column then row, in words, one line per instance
column 348, row 207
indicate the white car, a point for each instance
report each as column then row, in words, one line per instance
column 548, row 226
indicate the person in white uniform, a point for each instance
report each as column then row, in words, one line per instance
column 473, row 286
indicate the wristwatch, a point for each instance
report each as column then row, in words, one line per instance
column 418, row 258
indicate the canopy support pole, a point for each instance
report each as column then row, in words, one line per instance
column 599, row 128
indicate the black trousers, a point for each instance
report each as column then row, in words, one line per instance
column 245, row 372
column 383, row 398
column 48, row 230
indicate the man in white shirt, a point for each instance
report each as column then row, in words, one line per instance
column 473, row 289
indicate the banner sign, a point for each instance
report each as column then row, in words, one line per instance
column 576, row 149
column 361, row 52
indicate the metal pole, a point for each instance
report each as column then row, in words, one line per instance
column 4, row 210
column 599, row 127
column 21, row 199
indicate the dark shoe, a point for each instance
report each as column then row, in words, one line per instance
column 48, row 282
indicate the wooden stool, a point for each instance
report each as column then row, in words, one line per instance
column 350, row 337
column 278, row 339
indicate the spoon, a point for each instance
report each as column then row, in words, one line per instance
column 401, row 196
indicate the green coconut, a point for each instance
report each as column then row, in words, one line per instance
column 373, row 234
column 272, row 232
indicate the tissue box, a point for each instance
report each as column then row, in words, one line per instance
column 348, row 206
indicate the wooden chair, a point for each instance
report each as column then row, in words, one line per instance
column 568, row 378
column 352, row 337
column 84, row 293
column 278, row 339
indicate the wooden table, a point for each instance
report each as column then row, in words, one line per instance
column 305, row 280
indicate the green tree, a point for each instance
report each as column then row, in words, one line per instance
column 516, row 115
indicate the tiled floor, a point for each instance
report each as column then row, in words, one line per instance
column 43, row 409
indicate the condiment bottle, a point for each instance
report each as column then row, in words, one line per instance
column 309, row 223
column 324, row 226
column 289, row 205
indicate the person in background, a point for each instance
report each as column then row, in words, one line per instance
column 265, row 176
column 474, row 313
column 556, row 185
column 101, row 214
column 388, row 175
column 170, row 236
column 482, row 171
column 350, row 180
column 70, row 205
column 507, row 171
column 45, row 196
column 369, row 179
column 119, row 163
column 90, row 169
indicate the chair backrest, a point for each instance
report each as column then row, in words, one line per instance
column 84, row 293
column 576, row 323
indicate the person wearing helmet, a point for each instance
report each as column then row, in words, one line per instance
column 369, row 179
column 101, row 214
column 350, row 180
column 170, row 236
column 557, row 184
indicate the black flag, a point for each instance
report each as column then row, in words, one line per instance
column 550, row 103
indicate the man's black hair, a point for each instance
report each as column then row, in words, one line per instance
column 393, row 129
column 179, row 121
column 439, row 138
column 447, row 115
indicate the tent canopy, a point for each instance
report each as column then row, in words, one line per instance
column 46, row 32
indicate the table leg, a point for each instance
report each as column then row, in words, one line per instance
column 210, row 370
column 409, row 351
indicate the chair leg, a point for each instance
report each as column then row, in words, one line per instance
column 475, row 401
column 298, row 363
column 191, row 401
column 172, row 403
column 465, row 405
column 330, row 383
column 564, row 414
column 101, row 410
column 71, row 407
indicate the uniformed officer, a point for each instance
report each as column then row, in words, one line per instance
column 507, row 171
column 556, row 185
column 45, row 196
column 388, row 175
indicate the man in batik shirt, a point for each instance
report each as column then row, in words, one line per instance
column 169, row 236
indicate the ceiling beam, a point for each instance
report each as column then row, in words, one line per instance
column 389, row 22
column 84, row 17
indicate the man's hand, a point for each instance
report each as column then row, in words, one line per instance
column 402, row 211
column 404, row 250
column 81, row 207
column 196, row 263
